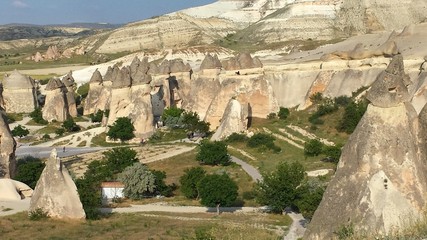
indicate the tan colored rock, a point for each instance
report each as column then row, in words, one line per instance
column 12, row 190
column 234, row 120
column 19, row 93
column 7, row 149
column 210, row 62
column 253, row 91
column 242, row 61
column 390, row 88
column 38, row 57
column 380, row 183
column 52, row 53
column 70, row 85
column 55, row 107
column 56, row 193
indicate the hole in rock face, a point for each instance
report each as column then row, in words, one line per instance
column 392, row 90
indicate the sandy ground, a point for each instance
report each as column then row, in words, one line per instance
column 74, row 140
column 14, row 206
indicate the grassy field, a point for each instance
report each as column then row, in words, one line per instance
column 148, row 226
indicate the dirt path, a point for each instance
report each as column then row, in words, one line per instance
column 288, row 140
column 297, row 228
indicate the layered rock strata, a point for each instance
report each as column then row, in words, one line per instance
column 380, row 183
column 55, row 192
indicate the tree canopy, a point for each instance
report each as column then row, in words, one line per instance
column 190, row 180
column 28, row 170
column 217, row 190
column 213, row 153
column 121, row 129
column 139, row 181
column 20, row 131
column 278, row 189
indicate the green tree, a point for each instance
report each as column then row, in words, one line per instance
column 139, row 181
column 278, row 189
column 28, row 170
column 309, row 196
column 97, row 117
column 121, row 129
column 20, row 131
column 90, row 196
column 70, row 126
column 60, row 131
column 190, row 180
column 332, row 152
column 217, row 190
column 312, row 148
column 37, row 116
column 193, row 123
column 283, row 113
column 263, row 140
column 161, row 187
column 353, row 112
column 117, row 159
column 213, row 153
column 172, row 116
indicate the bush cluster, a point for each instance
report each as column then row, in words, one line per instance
column 260, row 140
column 213, row 153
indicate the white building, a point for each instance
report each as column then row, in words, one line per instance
column 111, row 190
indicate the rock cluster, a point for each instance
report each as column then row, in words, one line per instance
column 56, row 193
column 380, row 182
column 19, row 93
column 242, row 61
column 7, row 149
column 211, row 62
column 139, row 91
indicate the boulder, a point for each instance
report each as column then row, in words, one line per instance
column 19, row 93
column 56, row 193
column 234, row 120
column 12, row 190
column 380, row 182
column 7, row 149
column 55, row 107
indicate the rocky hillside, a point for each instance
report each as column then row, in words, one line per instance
column 265, row 21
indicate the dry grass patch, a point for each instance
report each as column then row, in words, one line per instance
column 142, row 226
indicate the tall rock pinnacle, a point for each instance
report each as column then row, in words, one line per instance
column 380, row 182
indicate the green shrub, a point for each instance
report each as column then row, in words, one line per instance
column 283, row 113
column 236, row 137
column 217, row 190
column 38, row 214
column 97, row 117
column 190, row 180
column 271, row 116
column 213, row 153
column 312, row 148
column 28, row 170
column 139, row 181
column 70, row 126
column 121, row 129
column 20, row 131
column 260, row 139
column 332, row 152
column 353, row 112
column 60, row 131
column 161, row 187
column 37, row 116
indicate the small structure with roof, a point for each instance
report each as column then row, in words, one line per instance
column 112, row 190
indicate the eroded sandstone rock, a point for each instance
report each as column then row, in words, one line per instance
column 70, row 85
column 234, row 120
column 19, row 93
column 380, row 182
column 210, row 62
column 56, row 193
column 55, row 107
column 7, row 149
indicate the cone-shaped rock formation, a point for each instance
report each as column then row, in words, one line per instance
column 380, row 182
column 56, row 193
